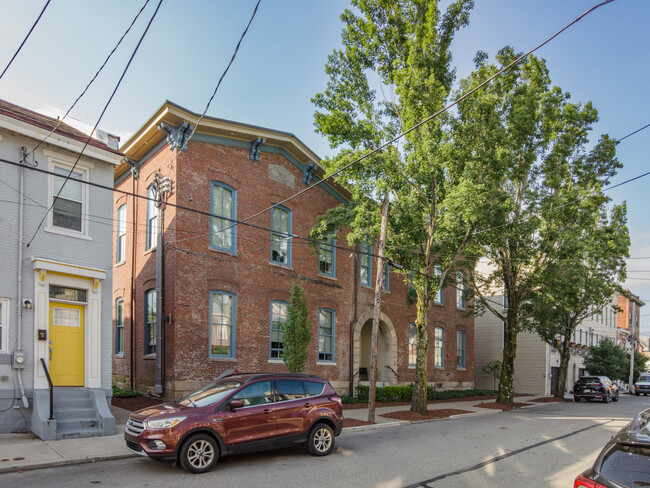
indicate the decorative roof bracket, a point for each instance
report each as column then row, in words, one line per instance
column 177, row 137
column 308, row 173
column 256, row 148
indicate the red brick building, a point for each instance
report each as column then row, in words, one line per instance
column 226, row 287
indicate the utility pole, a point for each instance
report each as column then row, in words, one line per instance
column 379, row 285
column 632, row 340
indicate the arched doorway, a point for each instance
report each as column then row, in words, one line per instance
column 386, row 351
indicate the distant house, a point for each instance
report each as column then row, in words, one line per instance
column 55, row 294
column 226, row 287
column 537, row 364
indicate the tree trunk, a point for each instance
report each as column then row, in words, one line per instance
column 419, row 396
column 379, row 285
column 565, row 355
column 506, row 393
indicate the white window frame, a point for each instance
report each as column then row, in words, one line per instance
column 84, row 169
column 4, row 325
column 120, row 244
column 152, row 222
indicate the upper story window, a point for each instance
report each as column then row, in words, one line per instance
column 152, row 219
column 70, row 209
column 4, row 324
column 223, row 232
column 150, row 322
column 439, row 347
column 279, row 315
column 460, row 349
column 365, row 262
column 460, row 290
column 440, row 295
column 119, row 326
column 326, row 321
column 413, row 344
column 222, row 324
column 280, row 232
column 386, row 277
column 327, row 257
column 120, row 245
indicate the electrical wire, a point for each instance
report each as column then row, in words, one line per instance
column 97, row 123
column 25, row 39
column 60, row 121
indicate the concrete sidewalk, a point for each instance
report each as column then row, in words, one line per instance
column 26, row 451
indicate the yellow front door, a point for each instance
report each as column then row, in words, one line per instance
column 67, row 344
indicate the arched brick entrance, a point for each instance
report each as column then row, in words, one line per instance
column 387, row 350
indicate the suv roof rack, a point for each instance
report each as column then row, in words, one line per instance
column 257, row 375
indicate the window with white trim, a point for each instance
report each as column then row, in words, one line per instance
column 69, row 209
column 280, row 232
column 460, row 349
column 152, row 219
column 365, row 262
column 4, row 324
column 223, row 234
column 386, row 277
column 460, row 290
column 413, row 344
column 222, row 324
column 440, row 295
column 150, row 322
column 326, row 321
column 439, row 347
column 120, row 245
column 327, row 257
column 279, row 315
column 119, row 326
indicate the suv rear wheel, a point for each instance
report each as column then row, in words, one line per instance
column 199, row 453
column 321, row 440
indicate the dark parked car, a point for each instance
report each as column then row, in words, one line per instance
column 595, row 388
column 624, row 462
column 236, row 414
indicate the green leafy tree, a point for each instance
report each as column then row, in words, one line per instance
column 586, row 267
column 402, row 48
column 608, row 359
column 493, row 368
column 297, row 331
column 533, row 138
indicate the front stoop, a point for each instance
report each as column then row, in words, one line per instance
column 77, row 413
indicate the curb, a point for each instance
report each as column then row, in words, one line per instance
column 65, row 462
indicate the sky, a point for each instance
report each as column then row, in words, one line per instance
column 604, row 59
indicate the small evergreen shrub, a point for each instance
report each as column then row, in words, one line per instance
column 124, row 392
column 403, row 393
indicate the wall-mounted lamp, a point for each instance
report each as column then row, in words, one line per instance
column 27, row 304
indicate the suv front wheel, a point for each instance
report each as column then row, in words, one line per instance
column 199, row 453
column 321, row 440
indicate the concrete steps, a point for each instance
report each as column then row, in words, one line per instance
column 76, row 415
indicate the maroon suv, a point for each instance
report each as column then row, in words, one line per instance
column 239, row 413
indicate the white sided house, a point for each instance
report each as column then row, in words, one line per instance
column 55, row 285
column 537, row 365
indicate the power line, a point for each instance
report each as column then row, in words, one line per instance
column 60, row 121
column 632, row 133
column 97, row 123
column 25, row 39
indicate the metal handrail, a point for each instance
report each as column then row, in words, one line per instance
column 51, row 387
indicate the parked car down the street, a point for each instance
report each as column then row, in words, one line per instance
column 237, row 414
column 595, row 388
column 642, row 385
column 624, row 462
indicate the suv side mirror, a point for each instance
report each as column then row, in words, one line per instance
column 236, row 404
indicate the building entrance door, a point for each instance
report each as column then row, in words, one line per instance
column 555, row 376
column 66, row 345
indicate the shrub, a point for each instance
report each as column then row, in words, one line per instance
column 404, row 393
column 124, row 392
column 346, row 400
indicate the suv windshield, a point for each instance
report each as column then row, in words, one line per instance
column 210, row 394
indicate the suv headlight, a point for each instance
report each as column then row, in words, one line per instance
column 164, row 423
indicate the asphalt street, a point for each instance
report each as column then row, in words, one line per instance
column 547, row 445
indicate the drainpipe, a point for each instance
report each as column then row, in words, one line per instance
column 353, row 322
column 19, row 305
column 134, row 209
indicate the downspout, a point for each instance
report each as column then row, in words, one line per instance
column 19, row 305
column 160, row 346
column 134, row 209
